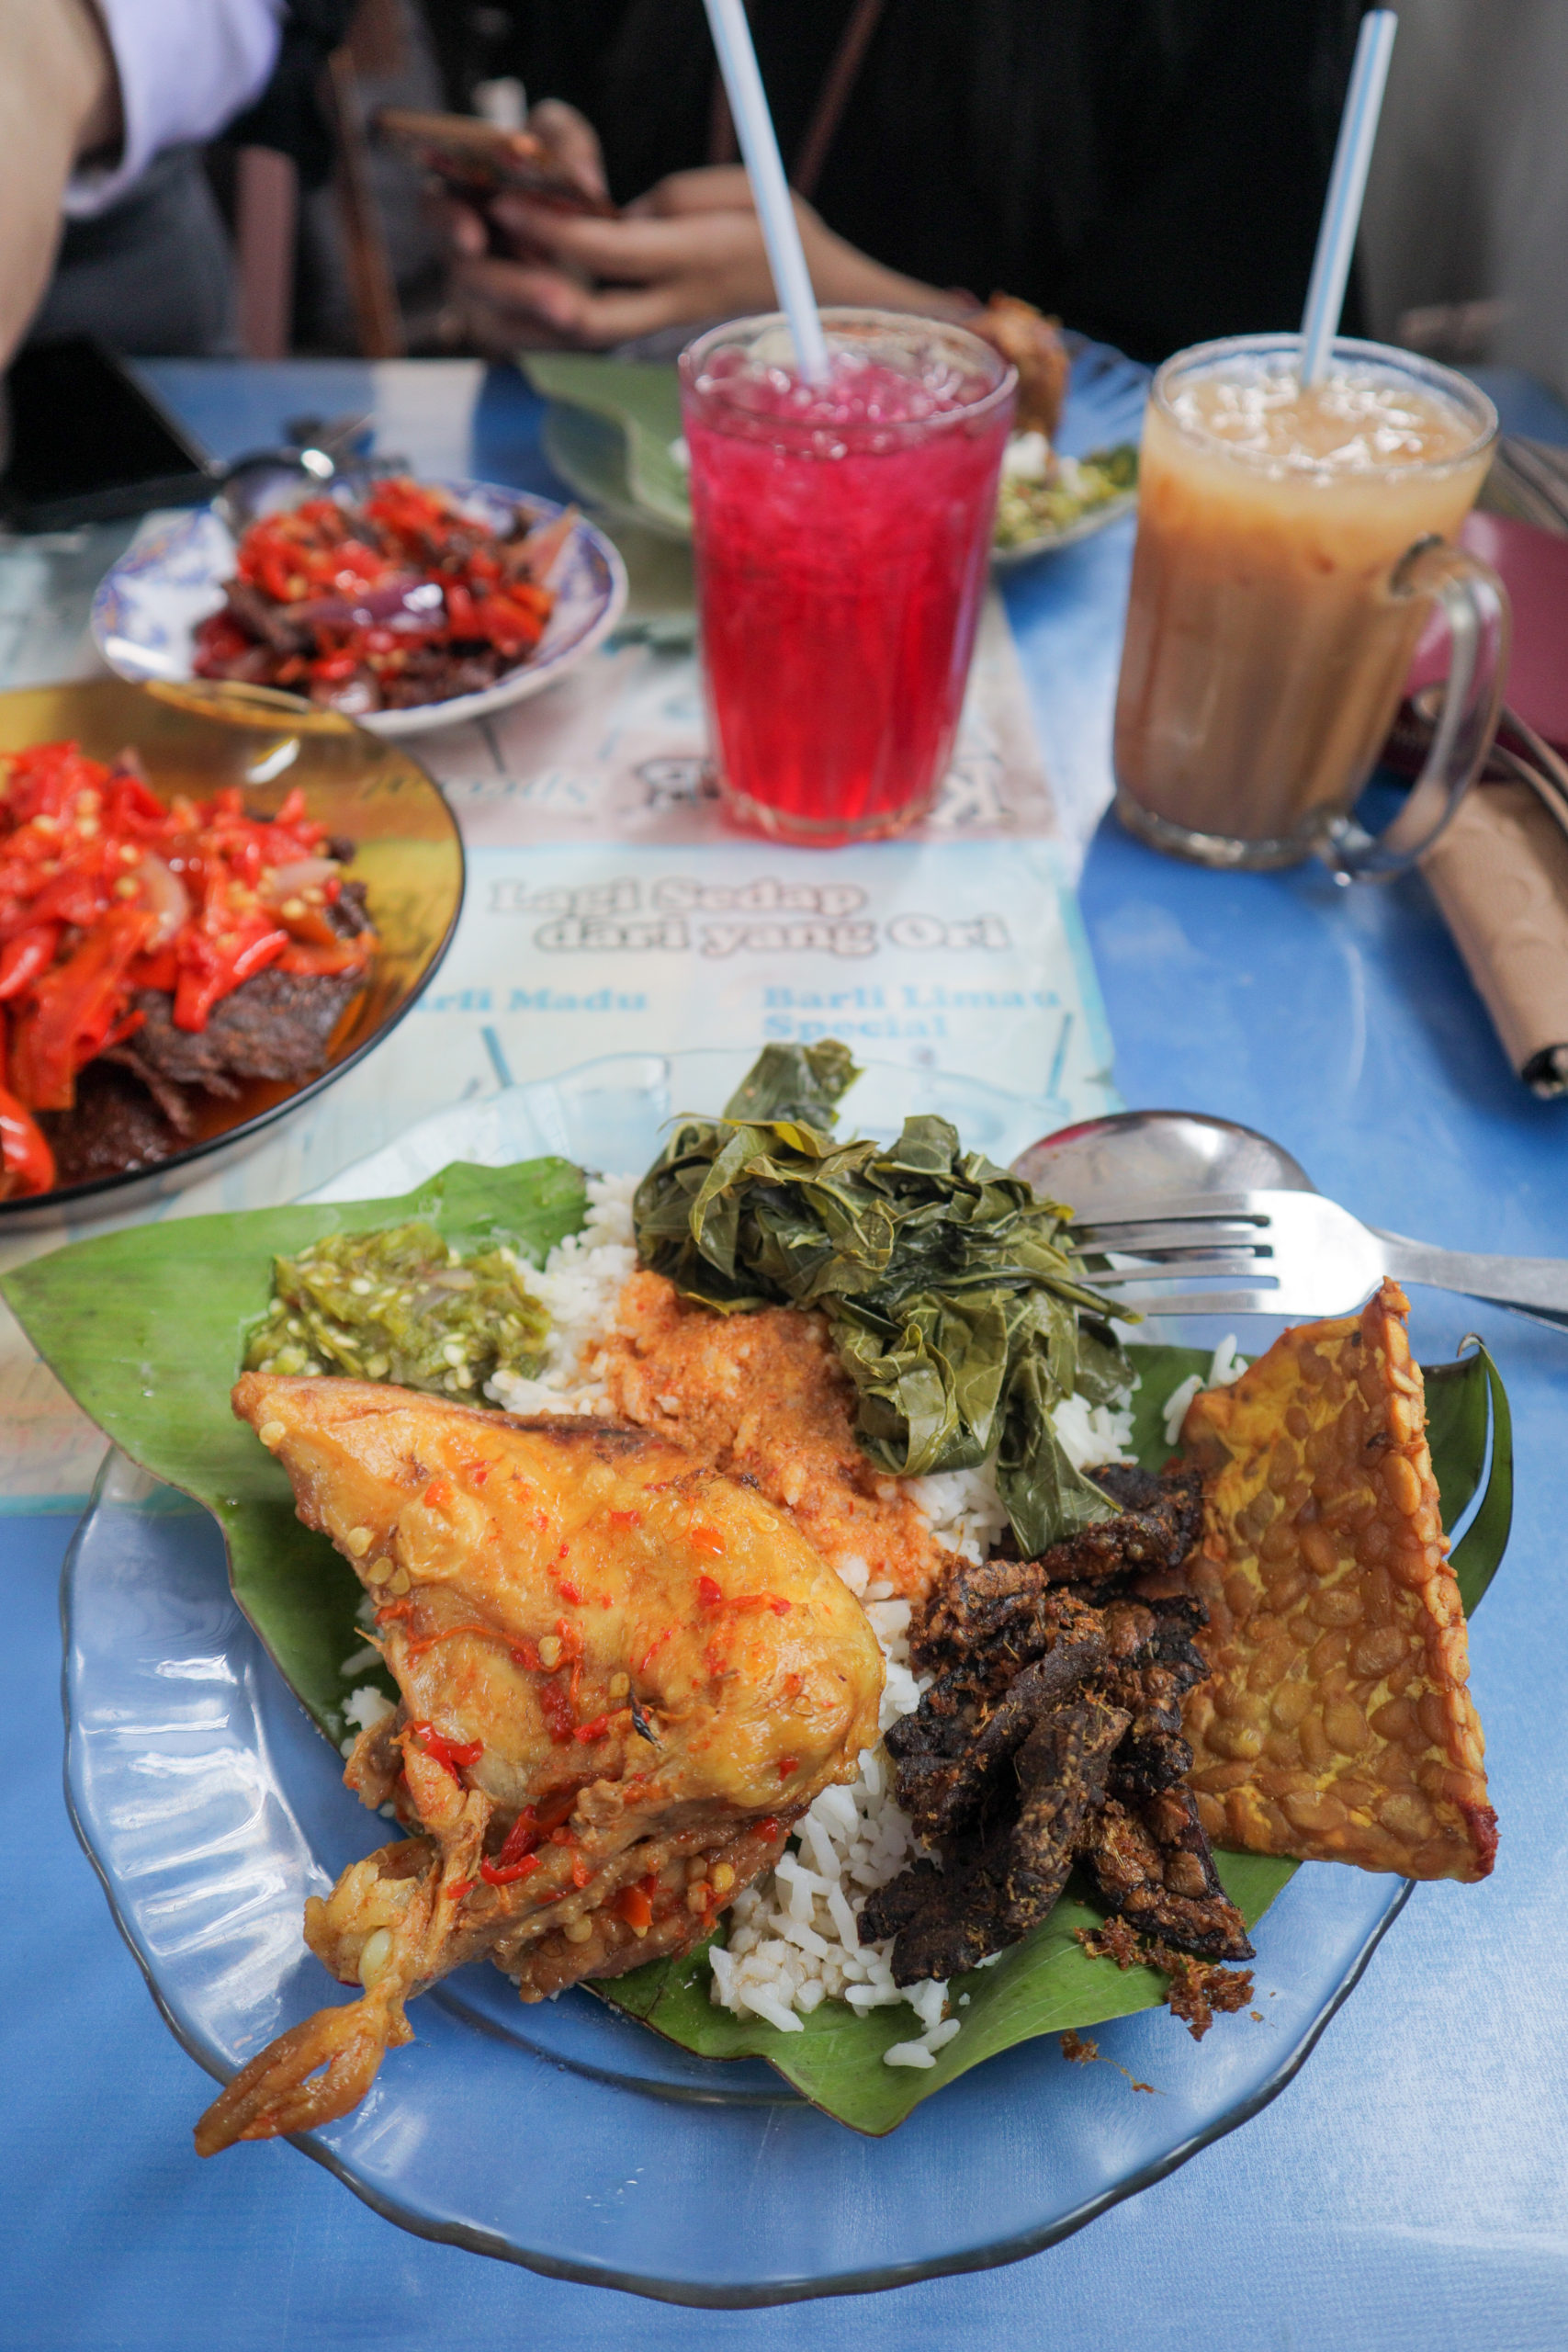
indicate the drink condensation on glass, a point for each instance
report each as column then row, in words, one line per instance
column 842, row 532
column 1283, row 571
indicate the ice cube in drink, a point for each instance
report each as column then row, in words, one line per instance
column 1266, row 640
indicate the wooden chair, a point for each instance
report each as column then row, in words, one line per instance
column 266, row 209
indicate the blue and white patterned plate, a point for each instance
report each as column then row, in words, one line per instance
column 173, row 575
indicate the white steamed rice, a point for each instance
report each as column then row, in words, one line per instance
column 793, row 1939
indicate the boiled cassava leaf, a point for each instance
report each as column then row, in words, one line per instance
column 951, row 1293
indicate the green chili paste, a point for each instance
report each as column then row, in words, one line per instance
column 400, row 1306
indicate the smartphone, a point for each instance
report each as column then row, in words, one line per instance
column 478, row 160
column 87, row 442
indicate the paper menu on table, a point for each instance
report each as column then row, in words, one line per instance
column 606, row 912
column 619, row 748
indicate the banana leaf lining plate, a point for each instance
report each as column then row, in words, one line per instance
column 566, row 2136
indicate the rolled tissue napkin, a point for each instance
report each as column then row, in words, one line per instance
column 1500, row 875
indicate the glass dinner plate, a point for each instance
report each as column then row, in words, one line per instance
column 564, row 2136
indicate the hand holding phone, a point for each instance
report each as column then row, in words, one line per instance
column 478, row 160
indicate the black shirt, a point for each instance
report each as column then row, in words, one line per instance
column 1150, row 170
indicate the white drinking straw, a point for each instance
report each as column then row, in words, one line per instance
column 1346, row 188
column 770, row 189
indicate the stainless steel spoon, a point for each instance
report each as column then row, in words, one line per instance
column 251, row 485
column 1132, row 1158
column 1132, row 1161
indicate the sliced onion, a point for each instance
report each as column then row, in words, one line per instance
column 535, row 557
column 166, row 896
column 404, row 601
column 290, row 881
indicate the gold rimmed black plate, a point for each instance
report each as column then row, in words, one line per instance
column 196, row 738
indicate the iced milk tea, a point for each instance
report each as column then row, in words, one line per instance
column 1268, row 637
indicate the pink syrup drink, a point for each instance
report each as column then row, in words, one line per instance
column 842, row 533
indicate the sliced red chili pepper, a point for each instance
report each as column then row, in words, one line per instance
column 455, row 1755
column 160, row 971
column 521, row 1838
column 461, row 1886
column 126, row 1026
column 25, row 1156
column 25, row 955
column 557, row 1806
column 73, row 1009
column 460, row 619
column 634, row 1905
column 587, row 1733
column 504, row 1874
column 556, row 1708
column 709, row 1592
column 347, row 955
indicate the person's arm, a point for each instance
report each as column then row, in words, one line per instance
column 183, row 69
column 59, row 102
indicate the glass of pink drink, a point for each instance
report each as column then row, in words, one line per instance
column 842, row 532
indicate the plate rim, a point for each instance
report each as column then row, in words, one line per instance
column 518, row 685
column 623, row 506
column 1098, row 361
column 695, row 2294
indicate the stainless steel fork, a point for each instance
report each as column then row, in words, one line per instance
column 1295, row 1253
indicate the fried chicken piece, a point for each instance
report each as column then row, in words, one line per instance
column 1336, row 1723
column 623, row 1677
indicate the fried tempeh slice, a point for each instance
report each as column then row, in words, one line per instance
column 1335, row 1724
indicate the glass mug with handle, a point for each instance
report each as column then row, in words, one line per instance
column 1291, row 547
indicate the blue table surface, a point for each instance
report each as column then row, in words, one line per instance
column 1407, row 2193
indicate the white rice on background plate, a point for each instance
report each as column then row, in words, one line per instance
column 793, row 1938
